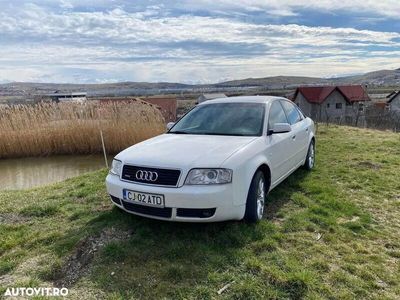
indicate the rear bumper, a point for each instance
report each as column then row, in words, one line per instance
column 183, row 204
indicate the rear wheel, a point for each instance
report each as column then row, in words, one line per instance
column 310, row 159
column 256, row 199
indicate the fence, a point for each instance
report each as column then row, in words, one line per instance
column 371, row 118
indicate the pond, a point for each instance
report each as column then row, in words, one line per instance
column 25, row 173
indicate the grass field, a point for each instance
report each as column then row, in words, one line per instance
column 333, row 233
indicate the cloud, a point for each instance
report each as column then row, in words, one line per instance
column 120, row 27
column 66, row 4
column 61, row 42
column 390, row 8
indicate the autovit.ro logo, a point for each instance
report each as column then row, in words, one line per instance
column 36, row 291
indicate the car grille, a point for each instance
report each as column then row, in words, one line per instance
column 165, row 177
column 165, row 212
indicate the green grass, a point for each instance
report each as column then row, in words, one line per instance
column 333, row 233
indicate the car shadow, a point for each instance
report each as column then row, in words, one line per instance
column 281, row 194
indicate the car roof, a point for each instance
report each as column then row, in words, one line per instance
column 243, row 99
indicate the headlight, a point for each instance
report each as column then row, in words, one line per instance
column 209, row 176
column 116, row 167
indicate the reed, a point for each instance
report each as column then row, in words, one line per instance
column 73, row 128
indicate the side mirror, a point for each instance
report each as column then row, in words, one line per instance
column 169, row 125
column 280, row 128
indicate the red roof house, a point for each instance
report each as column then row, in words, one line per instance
column 325, row 103
column 318, row 94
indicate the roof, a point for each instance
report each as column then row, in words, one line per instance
column 163, row 97
column 213, row 96
column 57, row 94
column 318, row 94
column 393, row 95
column 241, row 99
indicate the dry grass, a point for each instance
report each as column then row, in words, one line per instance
column 73, row 128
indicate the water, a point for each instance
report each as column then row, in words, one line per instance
column 24, row 173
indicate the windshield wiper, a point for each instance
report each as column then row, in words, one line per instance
column 220, row 133
column 208, row 133
column 178, row 132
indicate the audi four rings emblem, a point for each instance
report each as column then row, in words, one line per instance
column 146, row 175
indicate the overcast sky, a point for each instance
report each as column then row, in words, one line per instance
column 195, row 41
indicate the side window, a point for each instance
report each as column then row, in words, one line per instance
column 302, row 115
column 292, row 113
column 276, row 114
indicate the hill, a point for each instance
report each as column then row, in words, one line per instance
column 104, row 89
column 383, row 78
column 379, row 78
column 332, row 233
column 274, row 82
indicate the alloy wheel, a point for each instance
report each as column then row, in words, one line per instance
column 260, row 198
column 311, row 156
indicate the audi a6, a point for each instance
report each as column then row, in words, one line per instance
column 218, row 162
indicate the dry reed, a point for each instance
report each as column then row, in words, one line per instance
column 73, row 128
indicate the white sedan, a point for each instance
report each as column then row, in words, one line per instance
column 218, row 162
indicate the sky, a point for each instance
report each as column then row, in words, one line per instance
column 195, row 41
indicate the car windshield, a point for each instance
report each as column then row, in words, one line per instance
column 239, row 119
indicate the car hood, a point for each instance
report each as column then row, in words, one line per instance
column 183, row 151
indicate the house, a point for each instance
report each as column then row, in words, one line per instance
column 63, row 97
column 394, row 101
column 206, row 97
column 167, row 105
column 340, row 104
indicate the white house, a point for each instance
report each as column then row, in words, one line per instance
column 63, row 97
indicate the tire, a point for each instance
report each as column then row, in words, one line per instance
column 310, row 158
column 255, row 201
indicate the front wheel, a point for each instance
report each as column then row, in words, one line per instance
column 256, row 199
column 310, row 159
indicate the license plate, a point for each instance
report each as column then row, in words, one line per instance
column 142, row 198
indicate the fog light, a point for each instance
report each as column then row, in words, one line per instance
column 208, row 213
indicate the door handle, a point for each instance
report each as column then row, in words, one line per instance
column 293, row 137
column 307, row 129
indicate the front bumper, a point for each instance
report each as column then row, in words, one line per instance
column 186, row 200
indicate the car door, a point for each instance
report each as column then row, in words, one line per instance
column 279, row 148
column 299, row 134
